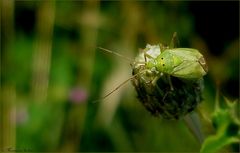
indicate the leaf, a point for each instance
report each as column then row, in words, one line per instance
column 214, row 143
column 227, row 128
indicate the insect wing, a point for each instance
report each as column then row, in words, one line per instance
column 189, row 70
column 188, row 54
column 193, row 65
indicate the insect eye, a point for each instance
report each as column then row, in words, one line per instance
column 162, row 58
column 163, row 65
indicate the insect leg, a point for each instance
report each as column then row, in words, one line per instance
column 146, row 55
column 170, row 82
column 154, row 81
column 175, row 41
column 165, row 96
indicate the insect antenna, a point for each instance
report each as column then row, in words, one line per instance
column 117, row 54
column 123, row 83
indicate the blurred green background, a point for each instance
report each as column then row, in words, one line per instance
column 51, row 71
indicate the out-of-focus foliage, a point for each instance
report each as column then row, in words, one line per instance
column 226, row 121
column 51, row 71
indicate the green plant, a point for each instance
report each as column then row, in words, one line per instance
column 226, row 122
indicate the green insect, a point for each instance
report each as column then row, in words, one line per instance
column 157, row 61
column 184, row 63
column 169, row 81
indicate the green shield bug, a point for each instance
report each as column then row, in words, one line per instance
column 168, row 80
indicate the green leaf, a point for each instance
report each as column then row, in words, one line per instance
column 214, row 143
column 227, row 128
